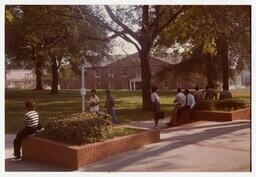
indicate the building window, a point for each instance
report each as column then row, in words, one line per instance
column 110, row 73
column 165, row 84
column 124, row 74
column 138, row 73
column 97, row 73
column 98, row 85
column 152, row 72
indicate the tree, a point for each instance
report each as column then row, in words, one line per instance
column 21, row 44
column 141, row 25
column 214, row 34
column 58, row 39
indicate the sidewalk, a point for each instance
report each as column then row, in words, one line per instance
column 209, row 146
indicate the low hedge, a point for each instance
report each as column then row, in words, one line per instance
column 223, row 105
column 205, row 105
column 230, row 104
column 79, row 128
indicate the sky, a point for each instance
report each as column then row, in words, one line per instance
column 123, row 48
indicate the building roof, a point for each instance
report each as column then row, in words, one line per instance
column 105, row 61
column 111, row 59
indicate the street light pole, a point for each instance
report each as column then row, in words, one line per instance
column 83, row 91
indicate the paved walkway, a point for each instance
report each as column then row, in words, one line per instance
column 209, row 146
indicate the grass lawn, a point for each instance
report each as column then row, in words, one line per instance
column 128, row 104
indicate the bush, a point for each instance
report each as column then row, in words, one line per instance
column 79, row 128
column 224, row 105
column 205, row 105
column 230, row 104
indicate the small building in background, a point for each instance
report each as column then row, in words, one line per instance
column 20, row 78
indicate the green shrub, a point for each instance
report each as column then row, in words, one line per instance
column 205, row 105
column 230, row 104
column 79, row 128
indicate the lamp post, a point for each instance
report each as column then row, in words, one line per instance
column 83, row 90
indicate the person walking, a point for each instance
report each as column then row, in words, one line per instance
column 94, row 101
column 155, row 99
column 31, row 121
column 190, row 99
column 110, row 106
column 179, row 101
column 198, row 95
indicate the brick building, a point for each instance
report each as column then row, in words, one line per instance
column 125, row 73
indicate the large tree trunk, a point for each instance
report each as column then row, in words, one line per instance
column 222, row 46
column 146, row 79
column 39, row 74
column 55, row 75
column 209, row 71
column 146, row 44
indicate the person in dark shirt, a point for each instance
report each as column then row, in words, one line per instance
column 31, row 121
column 211, row 92
column 110, row 103
column 225, row 94
column 198, row 95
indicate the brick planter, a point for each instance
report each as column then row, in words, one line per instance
column 74, row 156
column 242, row 114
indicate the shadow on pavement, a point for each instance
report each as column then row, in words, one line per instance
column 177, row 142
column 29, row 166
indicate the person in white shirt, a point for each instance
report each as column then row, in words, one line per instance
column 94, row 101
column 155, row 105
column 190, row 99
column 180, row 102
column 180, row 99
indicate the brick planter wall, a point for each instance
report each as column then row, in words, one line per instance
column 242, row 114
column 72, row 157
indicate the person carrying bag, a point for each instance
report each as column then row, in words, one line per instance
column 157, row 113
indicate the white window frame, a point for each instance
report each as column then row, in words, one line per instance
column 167, row 84
column 97, row 76
column 123, row 73
column 110, row 74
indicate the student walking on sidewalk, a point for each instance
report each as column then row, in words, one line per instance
column 155, row 105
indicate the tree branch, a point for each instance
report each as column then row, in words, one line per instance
column 125, row 37
column 117, row 21
column 171, row 19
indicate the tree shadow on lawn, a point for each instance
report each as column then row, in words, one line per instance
column 174, row 144
column 136, row 114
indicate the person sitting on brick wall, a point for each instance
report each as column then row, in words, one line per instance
column 31, row 126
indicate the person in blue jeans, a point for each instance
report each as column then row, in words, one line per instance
column 110, row 103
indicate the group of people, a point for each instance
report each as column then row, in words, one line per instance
column 185, row 101
column 109, row 104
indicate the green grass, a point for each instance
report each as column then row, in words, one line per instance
column 128, row 105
